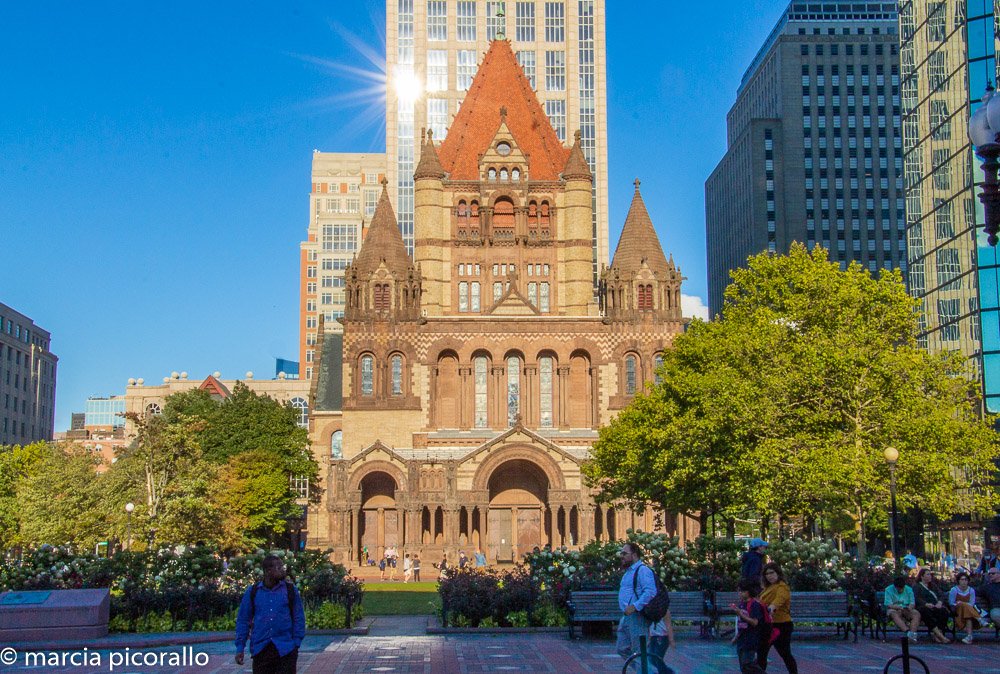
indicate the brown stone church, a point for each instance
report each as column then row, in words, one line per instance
column 470, row 380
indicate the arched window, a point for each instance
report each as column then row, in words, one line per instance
column 397, row 375
column 381, row 297
column 532, row 215
column 504, row 175
column 545, row 388
column 337, row 445
column 492, row 174
column 303, row 407
column 544, row 215
column 479, row 364
column 645, row 297
column 513, row 389
column 463, row 214
column 503, row 214
column 657, row 364
column 152, row 409
column 367, row 375
column 474, row 211
column 631, row 369
column 515, row 174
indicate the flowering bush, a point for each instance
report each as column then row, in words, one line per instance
column 186, row 587
column 810, row 566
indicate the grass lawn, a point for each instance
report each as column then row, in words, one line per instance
column 401, row 599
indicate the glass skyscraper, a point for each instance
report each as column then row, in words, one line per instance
column 947, row 57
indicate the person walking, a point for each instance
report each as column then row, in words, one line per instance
column 407, row 568
column 416, row 568
column 777, row 598
column 661, row 637
column 962, row 601
column 636, row 590
column 752, row 562
column 272, row 617
column 751, row 621
column 900, row 606
column 932, row 609
column 480, row 558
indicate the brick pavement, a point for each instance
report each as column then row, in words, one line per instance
column 479, row 654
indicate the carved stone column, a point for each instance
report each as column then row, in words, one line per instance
column 586, row 528
column 595, row 394
column 466, row 398
column 498, row 401
column 529, row 396
column 562, row 394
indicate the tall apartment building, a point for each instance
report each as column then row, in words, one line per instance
column 814, row 149
column 433, row 49
column 947, row 57
column 27, row 380
column 345, row 189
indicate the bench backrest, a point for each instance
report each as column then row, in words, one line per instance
column 724, row 601
column 687, row 604
column 820, row 604
column 595, row 602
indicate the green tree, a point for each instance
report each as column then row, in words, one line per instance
column 253, row 495
column 60, row 498
column 16, row 463
column 785, row 405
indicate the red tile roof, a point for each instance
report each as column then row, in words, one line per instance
column 500, row 83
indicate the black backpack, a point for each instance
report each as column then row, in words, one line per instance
column 659, row 604
column 291, row 601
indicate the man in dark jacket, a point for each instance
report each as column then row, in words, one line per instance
column 752, row 563
column 272, row 616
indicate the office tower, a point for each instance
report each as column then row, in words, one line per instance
column 433, row 49
column 814, row 150
column 345, row 189
column 946, row 60
column 27, row 380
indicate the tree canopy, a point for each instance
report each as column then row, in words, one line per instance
column 786, row 404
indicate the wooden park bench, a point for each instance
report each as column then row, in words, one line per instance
column 824, row 608
column 602, row 606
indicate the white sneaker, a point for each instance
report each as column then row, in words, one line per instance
column 967, row 639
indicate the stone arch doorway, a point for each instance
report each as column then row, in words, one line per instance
column 518, row 491
column 379, row 524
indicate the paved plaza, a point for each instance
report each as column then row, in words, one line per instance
column 473, row 654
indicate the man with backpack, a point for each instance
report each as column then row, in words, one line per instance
column 272, row 616
column 643, row 601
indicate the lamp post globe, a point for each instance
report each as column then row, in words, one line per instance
column 891, row 454
column 984, row 125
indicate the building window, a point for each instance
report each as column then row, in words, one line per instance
column 948, row 320
column 382, row 297
column 524, row 21
column 479, row 365
column 527, row 60
column 645, row 297
column 937, row 70
column 949, row 269
column 556, row 111
column 367, row 375
column 152, row 409
column 437, row 117
column 944, row 228
column 555, row 22
column 513, row 389
column 497, row 291
column 657, row 364
column 543, row 297
column 941, row 169
column 337, row 445
column 555, row 71
column 474, row 303
column 437, row 70
column 397, row 375
column 466, row 25
column 302, row 406
column 532, row 292
column 545, row 388
column 466, row 69
column 300, row 486
column 936, row 22
column 463, row 296
column 437, row 20
column 496, row 11
column 631, row 368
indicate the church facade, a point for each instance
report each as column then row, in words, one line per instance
column 456, row 409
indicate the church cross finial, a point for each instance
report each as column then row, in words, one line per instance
column 502, row 23
column 384, row 181
column 636, row 183
column 503, row 113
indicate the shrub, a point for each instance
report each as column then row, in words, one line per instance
column 518, row 619
column 478, row 595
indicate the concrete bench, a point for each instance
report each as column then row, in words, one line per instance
column 54, row 615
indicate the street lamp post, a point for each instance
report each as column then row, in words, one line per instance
column 984, row 127
column 129, row 507
column 891, row 456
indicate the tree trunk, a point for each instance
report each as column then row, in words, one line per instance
column 730, row 527
column 862, row 535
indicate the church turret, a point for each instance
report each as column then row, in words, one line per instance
column 640, row 284
column 432, row 226
column 575, row 226
column 382, row 283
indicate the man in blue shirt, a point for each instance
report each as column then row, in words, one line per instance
column 271, row 614
column 637, row 588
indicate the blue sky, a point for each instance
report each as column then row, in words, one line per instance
column 154, row 163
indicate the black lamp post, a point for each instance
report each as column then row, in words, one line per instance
column 891, row 456
column 129, row 507
column 984, row 127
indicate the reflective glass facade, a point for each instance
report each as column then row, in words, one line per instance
column 106, row 412
column 947, row 56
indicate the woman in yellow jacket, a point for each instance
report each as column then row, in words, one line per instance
column 778, row 600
